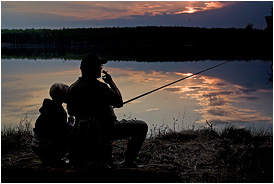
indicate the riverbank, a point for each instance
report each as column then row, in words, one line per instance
column 233, row 155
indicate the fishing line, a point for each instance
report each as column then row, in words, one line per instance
column 173, row 82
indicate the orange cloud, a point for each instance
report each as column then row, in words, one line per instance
column 99, row 10
column 201, row 6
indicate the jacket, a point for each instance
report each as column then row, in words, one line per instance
column 51, row 125
column 92, row 98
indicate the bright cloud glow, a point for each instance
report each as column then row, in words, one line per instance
column 219, row 101
column 201, row 6
column 99, row 10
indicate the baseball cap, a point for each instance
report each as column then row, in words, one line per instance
column 90, row 60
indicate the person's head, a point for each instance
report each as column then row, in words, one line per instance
column 91, row 66
column 58, row 92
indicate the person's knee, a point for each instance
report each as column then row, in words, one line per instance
column 143, row 125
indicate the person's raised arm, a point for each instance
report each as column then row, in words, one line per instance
column 108, row 79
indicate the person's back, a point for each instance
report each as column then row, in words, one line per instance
column 92, row 102
column 52, row 121
column 91, row 98
column 51, row 136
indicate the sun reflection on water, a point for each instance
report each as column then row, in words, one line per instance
column 200, row 98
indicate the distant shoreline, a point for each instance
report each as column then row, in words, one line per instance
column 130, row 53
column 149, row 43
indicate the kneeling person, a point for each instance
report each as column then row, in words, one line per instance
column 51, row 132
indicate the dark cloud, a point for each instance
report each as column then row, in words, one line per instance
column 221, row 84
column 213, row 94
column 250, row 97
column 238, row 15
column 221, row 122
column 226, row 92
column 261, row 125
column 216, row 101
column 247, row 91
column 219, row 112
column 33, row 20
column 194, row 87
column 172, row 89
column 113, row 10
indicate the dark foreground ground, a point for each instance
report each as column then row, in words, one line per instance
column 234, row 156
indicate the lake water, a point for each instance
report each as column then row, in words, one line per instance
column 236, row 93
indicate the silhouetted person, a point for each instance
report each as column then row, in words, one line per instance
column 51, row 132
column 92, row 102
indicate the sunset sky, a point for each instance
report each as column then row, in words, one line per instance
column 71, row 14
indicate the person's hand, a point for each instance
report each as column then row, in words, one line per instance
column 107, row 78
column 71, row 120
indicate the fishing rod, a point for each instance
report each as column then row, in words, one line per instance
column 173, row 82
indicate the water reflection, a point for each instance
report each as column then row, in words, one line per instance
column 237, row 92
column 222, row 102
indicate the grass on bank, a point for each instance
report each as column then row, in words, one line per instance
column 18, row 137
column 231, row 155
column 204, row 155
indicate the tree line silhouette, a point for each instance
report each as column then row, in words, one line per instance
column 157, row 43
